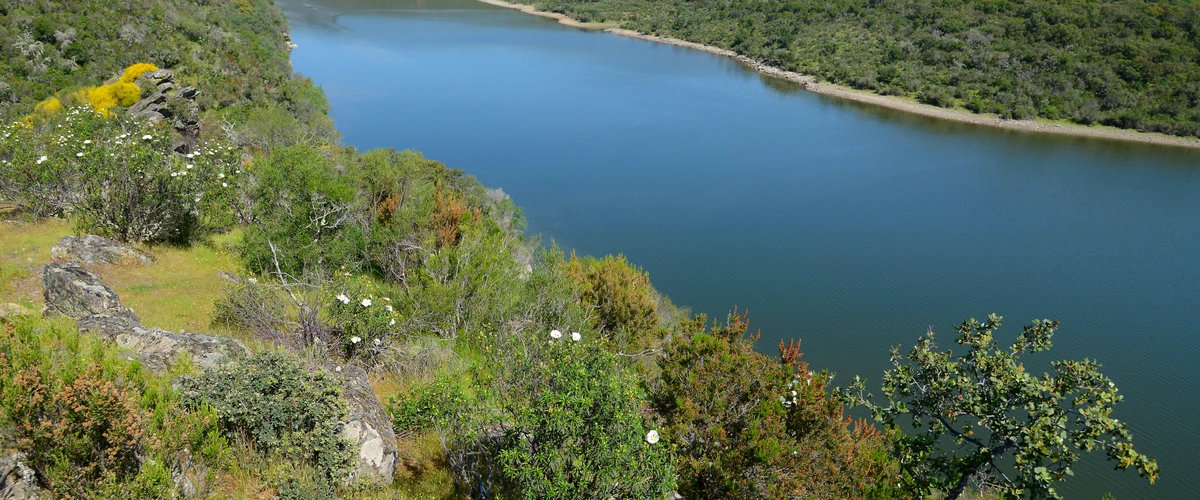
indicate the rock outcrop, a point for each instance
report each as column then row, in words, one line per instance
column 367, row 425
column 169, row 102
column 91, row 250
column 73, row 291
column 17, row 480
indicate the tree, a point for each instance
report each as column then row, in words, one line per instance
column 991, row 408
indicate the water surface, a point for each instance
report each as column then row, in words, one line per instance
column 852, row 227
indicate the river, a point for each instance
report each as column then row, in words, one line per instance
column 851, row 227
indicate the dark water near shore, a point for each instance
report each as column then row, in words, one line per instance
column 851, row 227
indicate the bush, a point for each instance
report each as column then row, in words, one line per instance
column 93, row 424
column 120, row 177
column 745, row 426
column 303, row 207
column 426, row 406
column 562, row 420
column 619, row 293
column 279, row 408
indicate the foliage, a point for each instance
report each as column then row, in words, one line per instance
column 280, row 408
column 559, row 419
column 426, row 405
column 992, row 408
column 92, row 424
column 618, row 293
column 743, row 425
column 233, row 50
column 1126, row 63
column 119, row 176
column 302, row 206
column 362, row 316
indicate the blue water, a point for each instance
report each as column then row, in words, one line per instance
column 851, row 227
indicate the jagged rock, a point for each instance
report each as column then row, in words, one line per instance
column 13, row 310
column 17, row 480
column 188, row 93
column 94, row 250
column 166, row 86
column 156, row 348
column 367, row 426
column 107, row 326
column 73, row 291
column 140, row 107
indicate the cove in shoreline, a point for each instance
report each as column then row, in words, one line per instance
column 907, row 105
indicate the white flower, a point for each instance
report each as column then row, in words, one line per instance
column 189, row 166
column 366, row 302
column 392, row 322
column 338, row 369
column 652, row 437
column 189, row 155
column 576, row 336
column 147, row 137
column 253, row 280
column 87, row 141
column 389, row 308
column 378, row 342
column 42, row 159
column 355, row 339
column 555, row 334
column 343, row 298
column 224, row 184
column 79, row 155
column 174, row 174
column 197, row 199
column 387, row 299
column 220, row 176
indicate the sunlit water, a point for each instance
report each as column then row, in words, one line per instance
column 851, row 227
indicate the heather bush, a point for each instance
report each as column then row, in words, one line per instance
column 279, row 408
column 91, row 423
column 743, row 425
column 619, row 295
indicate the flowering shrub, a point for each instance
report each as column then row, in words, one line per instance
column 281, row 408
column 362, row 315
column 120, row 177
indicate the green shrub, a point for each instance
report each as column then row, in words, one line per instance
column 120, row 177
column 426, row 406
column 304, row 208
column 280, row 408
column 619, row 293
column 559, row 419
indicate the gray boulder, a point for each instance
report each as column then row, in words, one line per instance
column 92, row 250
column 157, row 348
column 367, row 425
column 13, row 310
column 71, row 290
column 17, row 480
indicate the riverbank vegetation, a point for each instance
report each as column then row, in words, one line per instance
column 508, row 368
column 1127, row 64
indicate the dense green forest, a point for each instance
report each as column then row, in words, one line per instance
column 1125, row 63
column 500, row 366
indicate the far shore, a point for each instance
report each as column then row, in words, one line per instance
column 893, row 102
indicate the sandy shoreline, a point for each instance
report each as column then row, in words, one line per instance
column 892, row 102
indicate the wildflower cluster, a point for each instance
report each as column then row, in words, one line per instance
column 363, row 314
column 119, row 176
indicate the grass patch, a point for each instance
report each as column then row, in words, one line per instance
column 175, row 294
